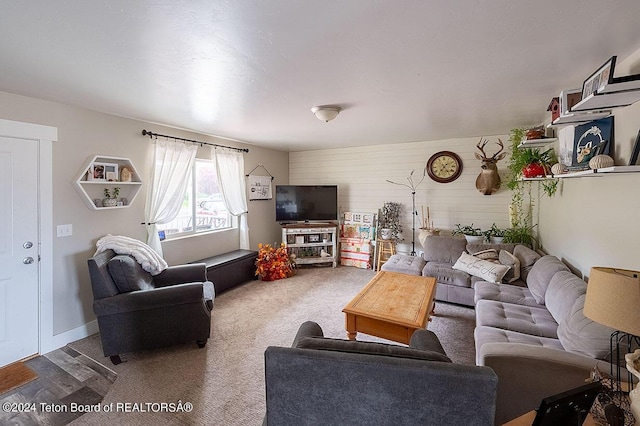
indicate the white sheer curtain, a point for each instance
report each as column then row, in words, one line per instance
column 230, row 169
column 172, row 164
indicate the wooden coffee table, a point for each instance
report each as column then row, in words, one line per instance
column 391, row 306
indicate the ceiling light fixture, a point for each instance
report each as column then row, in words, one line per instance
column 326, row 113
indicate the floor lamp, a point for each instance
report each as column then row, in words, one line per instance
column 412, row 186
column 613, row 299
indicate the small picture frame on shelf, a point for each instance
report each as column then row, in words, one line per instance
column 314, row 238
column 104, row 172
column 591, row 139
column 599, row 79
column 633, row 160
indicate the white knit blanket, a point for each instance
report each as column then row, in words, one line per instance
column 144, row 255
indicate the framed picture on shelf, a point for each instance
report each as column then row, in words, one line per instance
column 591, row 139
column 105, row 172
column 636, row 150
column 599, row 79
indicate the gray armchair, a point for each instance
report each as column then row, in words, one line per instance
column 136, row 310
column 320, row 381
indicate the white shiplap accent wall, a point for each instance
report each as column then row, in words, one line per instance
column 361, row 174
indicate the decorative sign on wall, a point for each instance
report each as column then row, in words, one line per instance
column 259, row 186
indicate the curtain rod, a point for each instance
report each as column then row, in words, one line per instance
column 151, row 135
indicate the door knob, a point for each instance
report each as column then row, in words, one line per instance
column 27, row 244
column 27, row 260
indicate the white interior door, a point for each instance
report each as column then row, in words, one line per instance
column 19, row 249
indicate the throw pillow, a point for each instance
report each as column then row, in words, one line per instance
column 507, row 259
column 527, row 258
column 489, row 254
column 128, row 275
column 488, row 271
column 370, row 348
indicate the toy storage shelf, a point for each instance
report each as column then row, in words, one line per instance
column 90, row 189
column 307, row 241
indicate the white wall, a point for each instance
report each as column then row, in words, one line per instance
column 83, row 133
column 595, row 221
column 361, row 175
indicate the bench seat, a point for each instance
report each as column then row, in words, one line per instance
column 228, row 270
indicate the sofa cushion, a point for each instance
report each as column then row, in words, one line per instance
column 128, row 275
column 369, row 348
column 540, row 276
column 411, row 265
column 536, row 321
column 564, row 289
column 444, row 273
column 485, row 335
column 443, row 248
column 508, row 259
column 488, row 271
column 527, row 258
column 506, row 293
column 578, row 333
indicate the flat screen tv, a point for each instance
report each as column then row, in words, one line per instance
column 306, row 203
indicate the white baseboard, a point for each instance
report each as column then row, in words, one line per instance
column 60, row 340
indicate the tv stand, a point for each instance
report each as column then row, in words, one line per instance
column 307, row 241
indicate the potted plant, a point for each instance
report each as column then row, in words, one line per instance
column 110, row 200
column 494, row 235
column 389, row 221
column 536, row 163
column 473, row 235
column 521, row 234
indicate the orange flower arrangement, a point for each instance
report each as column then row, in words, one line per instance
column 273, row 263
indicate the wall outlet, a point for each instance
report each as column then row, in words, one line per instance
column 65, row 230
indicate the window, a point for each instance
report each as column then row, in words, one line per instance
column 203, row 208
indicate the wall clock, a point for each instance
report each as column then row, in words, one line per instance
column 444, row 166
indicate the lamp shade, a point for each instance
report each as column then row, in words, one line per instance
column 613, row 299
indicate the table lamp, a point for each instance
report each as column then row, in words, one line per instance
column 613, row 299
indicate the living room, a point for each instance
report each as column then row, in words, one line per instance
column 589, row 222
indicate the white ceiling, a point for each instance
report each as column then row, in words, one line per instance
column 252, row 69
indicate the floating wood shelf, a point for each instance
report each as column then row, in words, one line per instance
column 590, row 172
column 536, row 143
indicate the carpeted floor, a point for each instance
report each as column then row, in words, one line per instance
column 224, row 382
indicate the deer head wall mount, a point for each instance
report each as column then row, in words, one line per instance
column 488, row 181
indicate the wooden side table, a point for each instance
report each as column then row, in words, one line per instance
column 386, row 249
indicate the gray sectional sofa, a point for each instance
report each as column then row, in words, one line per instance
column 531, row 332
column 536, row 338
column 441, row 253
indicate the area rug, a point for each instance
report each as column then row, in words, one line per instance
column 14, row 375
column 223, row 384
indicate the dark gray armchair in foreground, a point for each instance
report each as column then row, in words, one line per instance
column 321, row 381
column 136, row 310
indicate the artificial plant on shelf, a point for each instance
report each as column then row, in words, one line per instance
column 469, row 230
column 494, row 234
column 273, row 263
column 526, row 162
column 521, row 230
column 116, row 192
column 389, row 218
